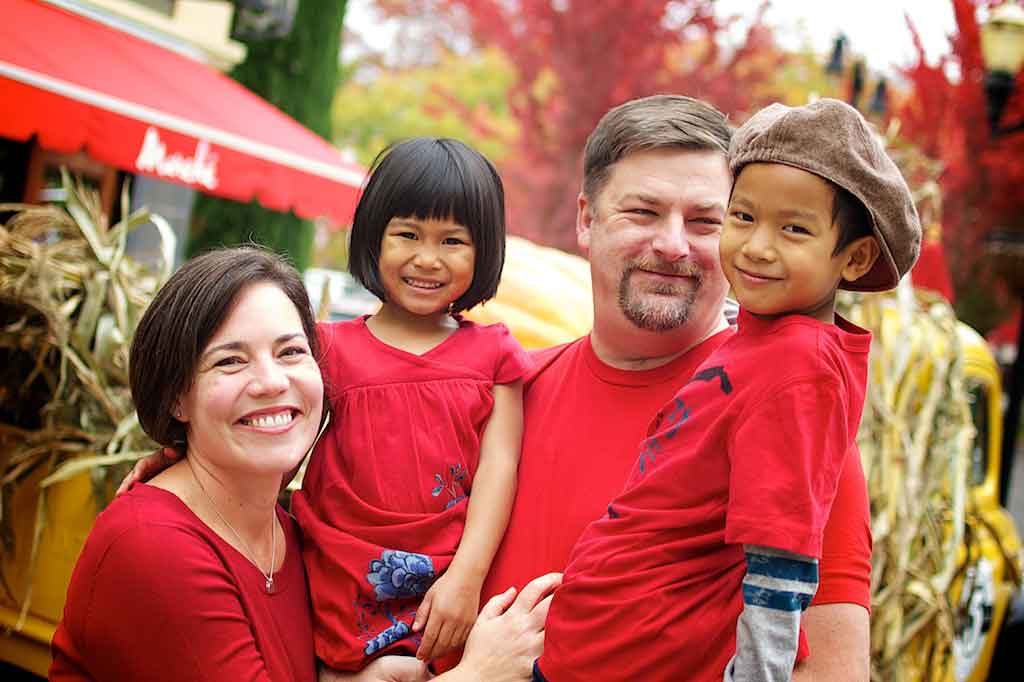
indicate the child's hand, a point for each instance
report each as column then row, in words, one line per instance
column 148, row 467
column 446, row 615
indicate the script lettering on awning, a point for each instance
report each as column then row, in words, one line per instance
column 198, row 169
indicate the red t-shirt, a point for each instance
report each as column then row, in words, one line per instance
column 384, row 498
column 747, row 452
column 158, row 596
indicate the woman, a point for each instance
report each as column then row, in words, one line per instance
column 197, row 574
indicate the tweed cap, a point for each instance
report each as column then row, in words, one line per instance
column 831, row 139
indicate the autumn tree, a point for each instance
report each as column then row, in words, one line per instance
column 575, row 59
column 945, row 115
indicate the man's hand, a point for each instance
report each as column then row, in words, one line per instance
column 504, row 643
column 383, row 669
column 148, row 467
column 446, row 615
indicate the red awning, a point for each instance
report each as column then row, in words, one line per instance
column 77, row 84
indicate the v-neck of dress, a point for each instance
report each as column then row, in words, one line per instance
column 401, row 351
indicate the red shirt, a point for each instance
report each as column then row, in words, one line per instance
column 158, row 596
column 383, row 502
column 749, row 451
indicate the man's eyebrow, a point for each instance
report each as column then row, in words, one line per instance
column 710, row 206
column 640, row 196
column 239, row 345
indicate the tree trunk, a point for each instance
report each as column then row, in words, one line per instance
column 298, row 74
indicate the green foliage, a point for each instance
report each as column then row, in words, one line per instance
column 298, row 74
column 461, row 96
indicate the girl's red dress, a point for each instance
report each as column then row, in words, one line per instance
column 383, row 502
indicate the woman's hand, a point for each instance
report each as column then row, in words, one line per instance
column 504, row 643
column 383, row 669
column 446, row 614
column 148, row 467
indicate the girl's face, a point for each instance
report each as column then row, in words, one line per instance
column 425, row 264
column 257, row 397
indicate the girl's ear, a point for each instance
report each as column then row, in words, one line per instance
column 860, row 256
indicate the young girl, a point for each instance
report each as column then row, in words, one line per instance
column 408, row 493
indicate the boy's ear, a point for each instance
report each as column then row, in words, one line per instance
column 860, row 256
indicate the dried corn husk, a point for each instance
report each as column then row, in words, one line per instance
column 69, row 303
column 914, row 440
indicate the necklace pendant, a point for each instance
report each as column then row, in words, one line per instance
column 270, row 585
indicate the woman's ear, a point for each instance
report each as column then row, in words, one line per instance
column 179, row 413
column 860, row 257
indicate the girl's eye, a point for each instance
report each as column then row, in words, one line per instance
column 795, row 229
column 293, row 351
column 454, row 241
column 404, row 234
column 742, row 216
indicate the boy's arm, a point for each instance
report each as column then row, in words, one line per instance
column 450, row 606
column 839, row 636
column 777, row 589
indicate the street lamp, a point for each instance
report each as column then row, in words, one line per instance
column 1002, row 50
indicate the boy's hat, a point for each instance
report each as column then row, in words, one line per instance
column 831, row 139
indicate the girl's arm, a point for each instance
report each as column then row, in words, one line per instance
column 450, row 606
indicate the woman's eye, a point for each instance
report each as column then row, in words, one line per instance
column 641, row 211
column 229, row 361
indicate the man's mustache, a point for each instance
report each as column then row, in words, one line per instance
column 686, row 268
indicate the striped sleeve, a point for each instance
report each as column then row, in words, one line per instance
column 777, row 588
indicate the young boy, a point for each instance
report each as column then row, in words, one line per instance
column 703, row 564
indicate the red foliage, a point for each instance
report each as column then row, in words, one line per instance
column 982, row 176
column 578, row 58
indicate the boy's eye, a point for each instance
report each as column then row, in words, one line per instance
column 743, row 216
column 795, row 229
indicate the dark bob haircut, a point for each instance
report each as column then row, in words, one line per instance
column 432, row 178
column 183, row 317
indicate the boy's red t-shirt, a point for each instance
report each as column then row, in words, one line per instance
column 749, row 451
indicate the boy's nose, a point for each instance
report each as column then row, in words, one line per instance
column 760, row 245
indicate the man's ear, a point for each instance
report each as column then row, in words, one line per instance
column 584, row 219
column 860, row 256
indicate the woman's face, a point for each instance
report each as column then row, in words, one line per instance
column 257, row 397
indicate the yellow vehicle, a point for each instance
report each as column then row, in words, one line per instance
column 545, row 299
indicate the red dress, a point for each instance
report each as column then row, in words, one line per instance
column 383, row 502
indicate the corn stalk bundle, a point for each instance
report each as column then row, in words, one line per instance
column 914, row 440
column 69, row 303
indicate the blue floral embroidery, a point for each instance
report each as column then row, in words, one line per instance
column 452, row 484
column 400, row 575
column 394, row 633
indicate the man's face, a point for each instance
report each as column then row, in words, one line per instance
column 652, row 238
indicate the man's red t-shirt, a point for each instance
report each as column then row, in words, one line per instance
column 749, row 451
column 583, row 423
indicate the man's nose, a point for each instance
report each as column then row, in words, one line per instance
column 671, row 241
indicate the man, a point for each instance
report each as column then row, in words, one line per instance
column 656, row 185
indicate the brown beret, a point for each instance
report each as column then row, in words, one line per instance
column 831, row 139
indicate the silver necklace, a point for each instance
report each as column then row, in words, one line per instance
column 251, row 555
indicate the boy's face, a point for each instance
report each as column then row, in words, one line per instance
column 777, row 242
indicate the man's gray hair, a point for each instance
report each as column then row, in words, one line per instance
column 655, row 122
